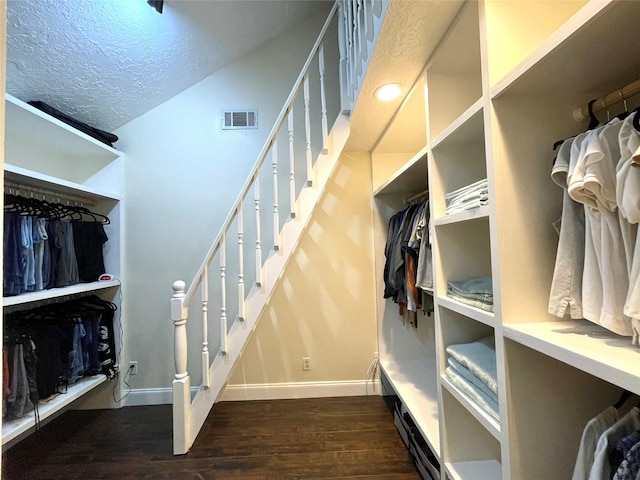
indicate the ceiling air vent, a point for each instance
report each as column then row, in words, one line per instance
column 239, row 119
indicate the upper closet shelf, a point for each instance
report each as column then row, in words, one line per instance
column 47, row 182
column 477, row 314
column 471, row 214
column 583, row 345
column 411, row 178
column 58, row 292
column 415, row 382
column 467, row 128
column 586, row 42
column 27, row 124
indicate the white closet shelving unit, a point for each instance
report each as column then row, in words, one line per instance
column 501, row 89
column 46, row 156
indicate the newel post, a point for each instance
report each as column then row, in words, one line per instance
column 181, row 382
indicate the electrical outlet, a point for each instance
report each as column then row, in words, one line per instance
column 133, row 367
column 306, row 363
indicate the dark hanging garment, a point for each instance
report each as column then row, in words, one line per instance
column 13, row 268
column 91, row 363
column 89, row 239
column 18, row 403
column 50, row 367
column 54, row 252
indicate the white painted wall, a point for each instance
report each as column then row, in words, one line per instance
column 182, row 175
column 324, row 307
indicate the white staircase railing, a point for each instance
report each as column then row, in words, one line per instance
column 360, row 24
column 236, row 321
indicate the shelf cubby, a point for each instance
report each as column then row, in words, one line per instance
column 454, row 73
column 32, row 135
column 590, row 41
column 404, row 139
column 470, row 450
column 547, row 413
column 487, row 421
column 515, row 29
column 458, row 160
column 462, row 251
column 586, row 346
column 474, row 470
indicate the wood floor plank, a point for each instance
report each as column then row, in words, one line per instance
column 349, row 438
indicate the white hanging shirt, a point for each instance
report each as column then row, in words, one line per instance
column 566, row 287
column 628, row 196
column 593, row 183
column 590, row 436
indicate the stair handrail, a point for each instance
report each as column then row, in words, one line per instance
column 260, row 161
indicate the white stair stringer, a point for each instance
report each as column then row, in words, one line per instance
column 273, row 269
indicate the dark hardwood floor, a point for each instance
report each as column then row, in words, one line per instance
column 347, row 438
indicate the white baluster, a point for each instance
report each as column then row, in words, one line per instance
column 370, row 27
column 307, row 131
column 241, row 303
column 323, row 100
column 256, row 201
column 224, row 343
column 352, row 50
column 360, row 35
column 205, row 328
column 342, row 47
column 347, row 44
column 276, row 214
column 365, row 18
column 292, row 161
column 181, row 382
column 179, row 315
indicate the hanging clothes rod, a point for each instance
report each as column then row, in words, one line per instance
column 605, row 102
column 417, row 196
column 47, row 193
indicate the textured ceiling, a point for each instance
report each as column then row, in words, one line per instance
column 106, row 62
column 411, row 31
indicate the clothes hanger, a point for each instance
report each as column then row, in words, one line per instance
column 593, row 123
column 626, row 395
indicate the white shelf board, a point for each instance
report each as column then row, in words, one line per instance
column 39, row 180
column 415, row 382
column 58, row 292
column 583, row 345
column 410, row 178
column 488, row 318
column 476, row 470
column 14, row 428
column 487, row 421
column 467, row 128
column 575, row 43
column 22, row 119
column 464, row 216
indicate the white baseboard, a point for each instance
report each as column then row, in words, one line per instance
column 147, row 396
column 275, row 391
column 266, row 391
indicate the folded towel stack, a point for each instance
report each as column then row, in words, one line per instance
column 471, row 196
column 477, row 292
column 472, row 368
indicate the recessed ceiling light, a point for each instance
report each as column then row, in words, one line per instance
column 388, row 92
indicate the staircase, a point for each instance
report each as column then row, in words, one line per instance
column 357, row 24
